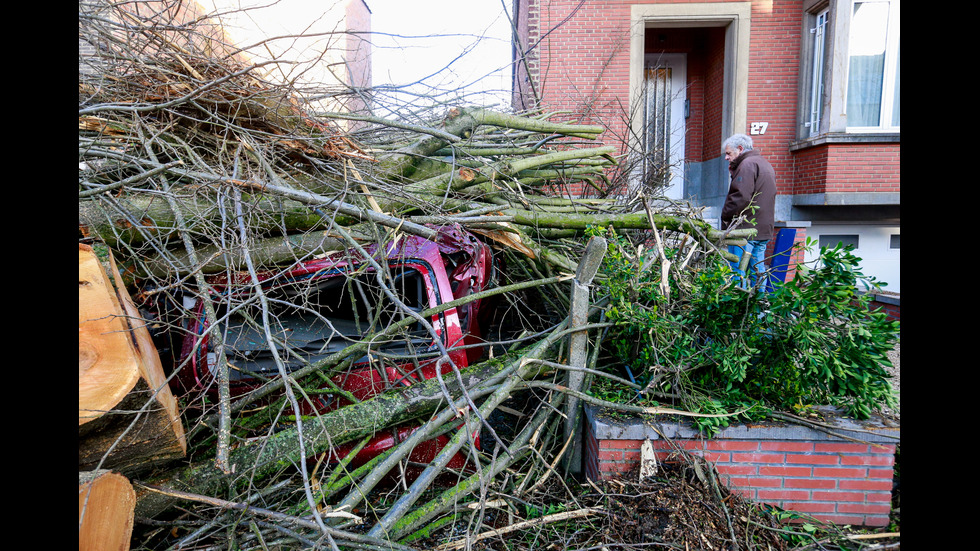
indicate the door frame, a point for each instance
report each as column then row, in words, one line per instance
column 735, row 17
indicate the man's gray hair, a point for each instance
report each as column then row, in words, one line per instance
column 736, row 141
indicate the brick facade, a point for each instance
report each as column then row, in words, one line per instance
column 577, row 59
column 795, row 468
column 580, row 63
column 774, row 65
column 841, row 168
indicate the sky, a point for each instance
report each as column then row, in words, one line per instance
column 470, row 43
column 459, row 45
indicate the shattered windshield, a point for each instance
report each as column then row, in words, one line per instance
column 315, row 316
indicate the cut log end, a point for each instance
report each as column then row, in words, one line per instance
column 107, row 361
column 106, row 504
column 119, row 368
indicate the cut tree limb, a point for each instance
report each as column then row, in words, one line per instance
column 578, row 354
column 106, row 501
column 283, row 249
column 127, row 417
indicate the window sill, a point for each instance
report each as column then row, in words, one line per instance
column 841, row 138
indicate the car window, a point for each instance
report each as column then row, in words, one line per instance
column 317, row 315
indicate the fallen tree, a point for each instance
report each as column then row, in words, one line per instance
column 194, row 171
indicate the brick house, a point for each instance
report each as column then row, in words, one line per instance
column 814, row 82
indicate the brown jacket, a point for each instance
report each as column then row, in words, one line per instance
column 753, row 183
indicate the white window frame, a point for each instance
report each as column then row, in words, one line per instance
column 818, row 60
column 890, row 67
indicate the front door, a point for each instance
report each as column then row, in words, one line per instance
column 665, row 114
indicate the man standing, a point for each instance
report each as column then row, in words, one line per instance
column 752, row 194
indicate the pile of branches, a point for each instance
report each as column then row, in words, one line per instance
column 683, row 505
column 192, row 165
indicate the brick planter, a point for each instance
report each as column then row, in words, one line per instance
column 890, row 304
column 796, row 468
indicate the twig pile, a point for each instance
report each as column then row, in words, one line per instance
column 683, row 506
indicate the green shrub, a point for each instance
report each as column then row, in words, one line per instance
column 711, row 347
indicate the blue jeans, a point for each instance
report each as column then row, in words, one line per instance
column 757, row 263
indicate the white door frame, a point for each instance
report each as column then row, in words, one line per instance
column 735, row 17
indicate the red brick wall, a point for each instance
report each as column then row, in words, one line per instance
column 831, row 168
column 582, row 65
column 887, row 304
column 839, row 482
column 774, row 59
column 714, row 84
column 810, row 170
column 583, row 62
column 894, row 311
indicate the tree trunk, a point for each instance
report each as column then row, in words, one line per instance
column 460, row 123
column 271, row 251
column 106, row 502
column 138, row 218
column 127, row 417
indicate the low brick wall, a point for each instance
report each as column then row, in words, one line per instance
column 801, row 469
column 890, row 304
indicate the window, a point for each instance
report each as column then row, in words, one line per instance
column 321, row 315
column 873, row 77
column 851, row 67
column 819, row 33
column 895, row 241
column 832, row 240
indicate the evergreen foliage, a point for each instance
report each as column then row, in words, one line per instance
column 711, row 347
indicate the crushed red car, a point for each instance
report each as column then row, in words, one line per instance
column 321, row 306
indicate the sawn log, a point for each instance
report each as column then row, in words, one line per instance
column 128, row 419
column 106, row 501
